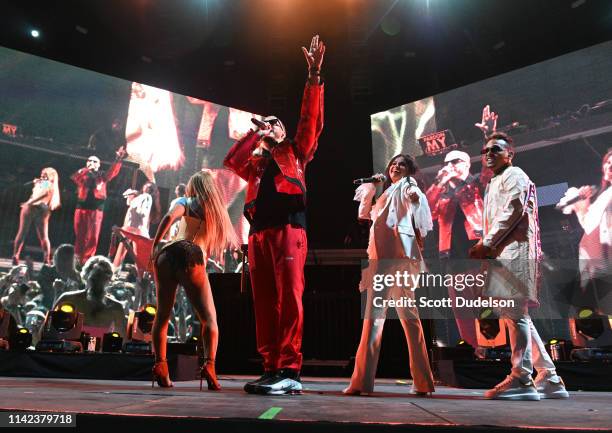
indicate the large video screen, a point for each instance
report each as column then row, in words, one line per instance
column 559, row 114
column 56, row 115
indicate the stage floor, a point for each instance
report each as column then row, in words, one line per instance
column 322, row 405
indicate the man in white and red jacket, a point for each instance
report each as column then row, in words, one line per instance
column 91, row 196
column 275, row 206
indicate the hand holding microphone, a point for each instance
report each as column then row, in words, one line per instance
column 574, row 195
column 444, row 175
column 377, row 178
column 264, row 128
column 32, row 182
column 129, row 192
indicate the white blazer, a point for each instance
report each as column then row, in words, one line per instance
column 392, row 233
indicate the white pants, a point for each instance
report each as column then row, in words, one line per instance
column 366, row 360
column 528, row 350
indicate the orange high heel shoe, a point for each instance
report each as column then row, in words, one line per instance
column 207, row 371
column 161, row 375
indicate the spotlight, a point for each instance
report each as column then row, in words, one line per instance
column 22, row 340
column 140, row 323
column 591, row 329
column 490, row 331
column 34, row 33
column 112, row 342
column 558, row 349
column 62, row 330
column 139, row 330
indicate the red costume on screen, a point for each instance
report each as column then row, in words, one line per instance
column 90, row 211
column 443, row 209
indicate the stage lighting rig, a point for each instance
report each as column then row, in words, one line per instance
column 591, row 329
column 491, row 336
column 558, row 349
column 62, row 330
column 139, row 328
column 22, row 340
column 112, row 342
column 490, row 330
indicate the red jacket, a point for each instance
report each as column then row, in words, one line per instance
column 80, row 178
column 290, row 155
column 442, row 204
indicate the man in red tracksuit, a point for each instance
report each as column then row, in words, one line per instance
column 275, row 206
column 91, row 195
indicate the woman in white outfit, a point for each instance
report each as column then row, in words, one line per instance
column 401, row 218
column 594, row 211
column 137, row 217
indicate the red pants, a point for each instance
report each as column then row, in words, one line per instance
column 276, row 264
column 87, row 224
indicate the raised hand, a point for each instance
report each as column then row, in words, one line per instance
column 314, row 55
column 444, row 175
column 488, row 123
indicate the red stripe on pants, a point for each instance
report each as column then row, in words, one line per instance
column 276, row 264
column 87, row 224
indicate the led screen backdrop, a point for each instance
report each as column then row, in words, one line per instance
column 559, row 113
column 57, row 115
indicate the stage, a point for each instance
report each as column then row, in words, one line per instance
column 320, row 408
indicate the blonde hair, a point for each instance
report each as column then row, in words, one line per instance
column 53, row 177
column 218, row 230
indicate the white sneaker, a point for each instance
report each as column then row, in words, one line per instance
column 512, row 388
column 550, row 385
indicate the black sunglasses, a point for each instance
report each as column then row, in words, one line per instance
column 273, row 122
column 493, row 149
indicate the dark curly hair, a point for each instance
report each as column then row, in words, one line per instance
column 411, row 166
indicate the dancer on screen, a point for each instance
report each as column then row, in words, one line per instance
column 138, row 216
column 593, row 207
column 401, row 218
column 44, row 199
column 205, row 229
column 91, row 196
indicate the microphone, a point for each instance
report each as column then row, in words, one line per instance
column 564, row 203
column 260, row 124
column 371, row 179
column 129, row 192
column 31, row 182
column 440, row 176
